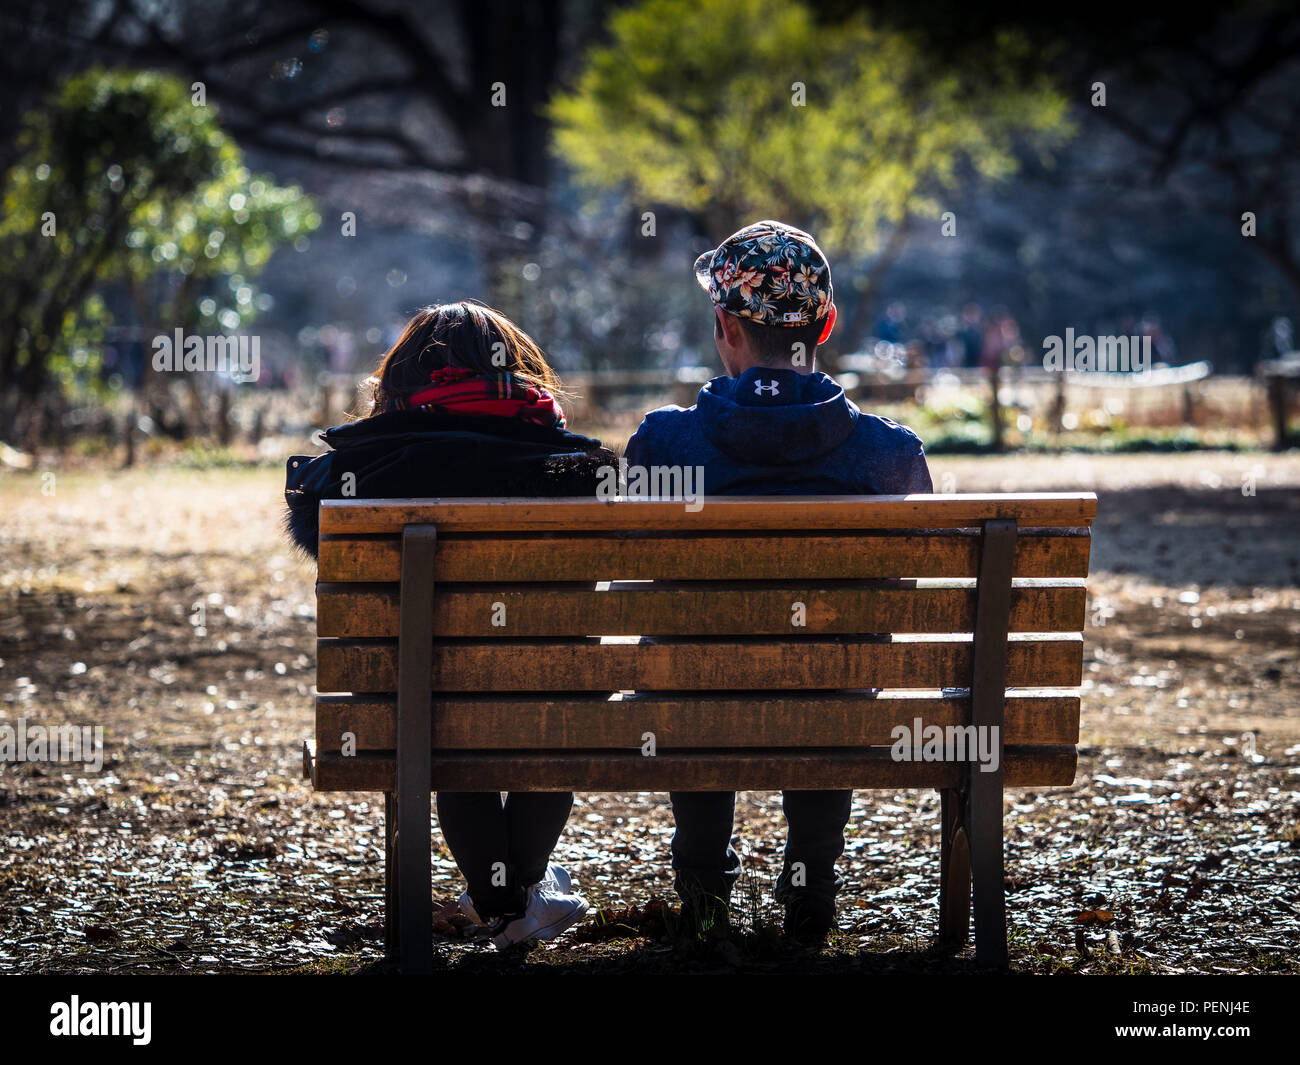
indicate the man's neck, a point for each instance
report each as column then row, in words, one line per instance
column 749, row 363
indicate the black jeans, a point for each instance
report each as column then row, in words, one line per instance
column 707, row 866
column 502, row 848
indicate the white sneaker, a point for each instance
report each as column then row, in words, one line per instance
column 548, row 913
column 556, row 874
column 556, row 878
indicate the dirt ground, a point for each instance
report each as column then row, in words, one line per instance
column 164, row 605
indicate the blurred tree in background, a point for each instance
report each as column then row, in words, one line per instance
column 1200, row 109
column 746, row 108
column 123, row 180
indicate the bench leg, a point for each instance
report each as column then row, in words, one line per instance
column 390, row 876
column 986, row 869
column 983, row 818
column 414, row 749
column 954, row 870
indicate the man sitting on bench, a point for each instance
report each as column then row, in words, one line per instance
column 773, row 425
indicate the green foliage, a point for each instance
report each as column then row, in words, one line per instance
column 228, row 228
column 108, row 140
column 199, row 455
column 959, row 425
column 123, row 179
column 690, row 105
column 76, row 358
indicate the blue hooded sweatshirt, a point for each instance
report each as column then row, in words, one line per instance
column 780, row 432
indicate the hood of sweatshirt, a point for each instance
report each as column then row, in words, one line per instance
column 776, row 417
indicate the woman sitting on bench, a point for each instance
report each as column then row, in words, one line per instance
column 464, row 405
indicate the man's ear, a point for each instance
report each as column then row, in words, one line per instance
column 729, row 324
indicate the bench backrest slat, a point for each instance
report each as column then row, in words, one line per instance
column 769, row 720
column 695, row 609
column 796, row 555
column 728, row 513
column 1052, row 660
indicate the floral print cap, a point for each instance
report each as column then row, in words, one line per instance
column 768, row 272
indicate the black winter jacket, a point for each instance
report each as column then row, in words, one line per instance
column 421, row 454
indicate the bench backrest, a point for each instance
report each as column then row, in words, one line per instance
column 782, row 642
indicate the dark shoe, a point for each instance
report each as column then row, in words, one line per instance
column 809, row 919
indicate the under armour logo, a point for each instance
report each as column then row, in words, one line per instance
column 771, row 389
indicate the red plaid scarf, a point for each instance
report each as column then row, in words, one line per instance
column 462, row 391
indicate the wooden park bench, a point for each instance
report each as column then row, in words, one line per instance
column 513, row 645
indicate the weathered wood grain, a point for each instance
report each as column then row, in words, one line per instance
column 626, row 664
column 730, row 513
column 862, row 719
column 754, row 557
column 1044, row 766
column 715, row 609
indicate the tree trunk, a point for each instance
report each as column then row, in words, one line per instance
column 1283, row 258
column 995, row 405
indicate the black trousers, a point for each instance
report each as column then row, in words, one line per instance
column 706, row 865
column 502, row 847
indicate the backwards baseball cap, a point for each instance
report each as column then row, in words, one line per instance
column 770, row 273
